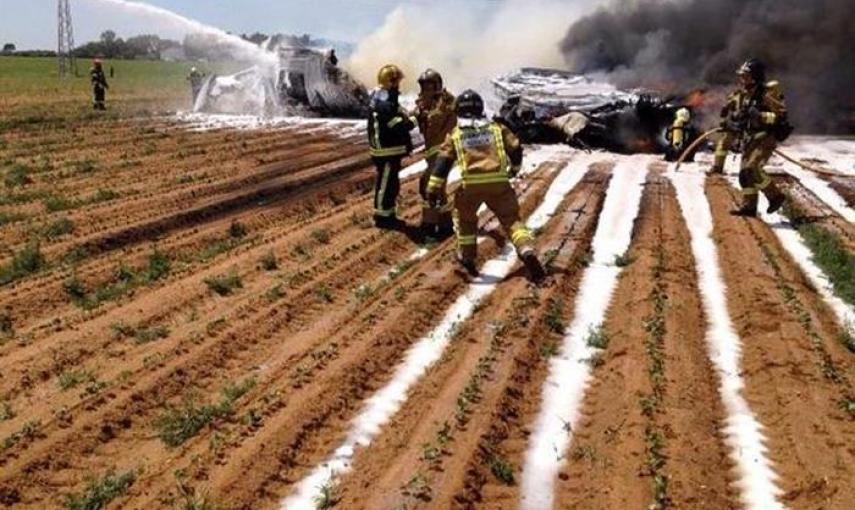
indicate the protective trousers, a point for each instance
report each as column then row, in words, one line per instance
column 99, row 94
column 434, row 215
column 721, row 149
column 752, row 177
column 501, row 199
column 386, row 187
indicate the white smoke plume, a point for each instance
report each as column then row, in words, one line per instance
column 468, row 42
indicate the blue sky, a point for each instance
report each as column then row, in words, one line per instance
column 31, row 24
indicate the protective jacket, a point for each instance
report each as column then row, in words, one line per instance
column 437, row 117
column 389, row 125
column 754, row 114
column 98, row 78
column 486, row 152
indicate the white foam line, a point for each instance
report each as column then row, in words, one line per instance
column 380, row 408
column 570, row 371
column 743, row 433
column 822, row 189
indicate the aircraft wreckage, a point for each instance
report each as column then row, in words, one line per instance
column 552, row 106
column 541, row 105
column 305, row 82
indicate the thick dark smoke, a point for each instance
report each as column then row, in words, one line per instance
column 808, row 45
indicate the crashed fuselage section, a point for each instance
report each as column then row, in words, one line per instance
column 304, row 82
column 551, row 106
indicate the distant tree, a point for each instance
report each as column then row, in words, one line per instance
column 9, row 48
column 256, row 38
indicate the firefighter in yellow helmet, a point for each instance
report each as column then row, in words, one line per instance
column 488, row 155
column 680, row 135
column 754, row 121
column 389, row 127
column 436, row 115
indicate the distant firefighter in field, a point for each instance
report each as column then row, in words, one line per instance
column 99, row 84
column 437, row 117
column 389, row 127
column 754, row 121
column 196, row 79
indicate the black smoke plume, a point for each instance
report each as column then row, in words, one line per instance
column 680, row 45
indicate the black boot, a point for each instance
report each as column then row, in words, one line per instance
column 428, row 232
column 748, row 208
column 468, row 266
column 386, row 222
column 536, row 273
column 776, row 198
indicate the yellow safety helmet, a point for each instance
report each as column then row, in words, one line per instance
column 390, row 76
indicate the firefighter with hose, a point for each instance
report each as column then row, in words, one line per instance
column 754, row 121
column 196, row 79
column 436, row 115
column 488, row 155
column 389, row 127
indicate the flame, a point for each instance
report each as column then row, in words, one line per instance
column 697, row 98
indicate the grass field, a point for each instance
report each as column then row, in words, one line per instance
column 30, row 88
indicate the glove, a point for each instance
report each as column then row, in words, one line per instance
column 755, row 118
column 733, row 125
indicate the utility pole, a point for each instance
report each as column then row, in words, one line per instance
column 65, row 40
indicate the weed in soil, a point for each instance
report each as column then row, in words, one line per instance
column 224, row 285
column 100, row 492
column 27, row 261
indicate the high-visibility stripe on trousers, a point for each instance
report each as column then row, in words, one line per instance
column 501, row 199
column 386, row 186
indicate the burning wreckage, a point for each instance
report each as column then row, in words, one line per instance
column 550, row 106
column 541, row 105
column 305, row 81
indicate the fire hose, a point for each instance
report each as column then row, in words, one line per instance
column 712, row 132
column 691, row 148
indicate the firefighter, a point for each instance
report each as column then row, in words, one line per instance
column 488, row 155
column 754, row 121
column 436, row 116
column 680, row 135
column 389, row 128
column 196, row 79
column 99, row 84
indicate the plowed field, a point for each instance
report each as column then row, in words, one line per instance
column 200, row 312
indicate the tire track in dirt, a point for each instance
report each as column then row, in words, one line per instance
column 796, row 374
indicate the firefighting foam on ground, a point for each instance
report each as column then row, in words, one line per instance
column 508, row 255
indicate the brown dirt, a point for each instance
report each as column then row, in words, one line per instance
column 651, row 386
column 323, row 330
column 796, row 372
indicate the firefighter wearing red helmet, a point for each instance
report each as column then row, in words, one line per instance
column 436, row 115
column 99, row 84
column 754, row 122
column 488, row 155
